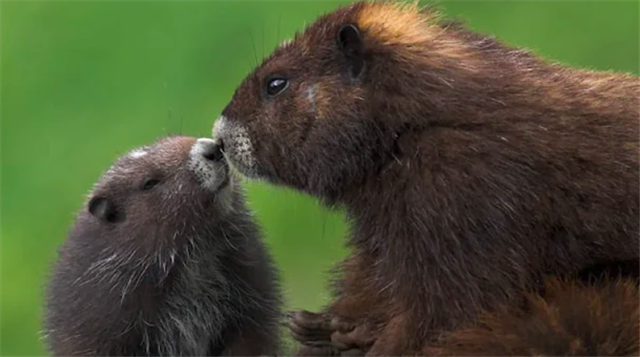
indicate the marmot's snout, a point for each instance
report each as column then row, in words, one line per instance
column 235, row 145
column 208, row 164
column 207, row 149
column 212, row 150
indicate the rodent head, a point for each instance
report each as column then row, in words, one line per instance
column 295, row 120
column 169, row 183
column 308, row 116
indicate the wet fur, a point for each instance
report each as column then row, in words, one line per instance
column 177, row 274
column 468, row 169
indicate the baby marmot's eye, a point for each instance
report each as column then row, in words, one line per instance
column 276, row 85
column 149, row 184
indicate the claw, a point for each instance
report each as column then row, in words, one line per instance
column 349, row 335
column 342, row 325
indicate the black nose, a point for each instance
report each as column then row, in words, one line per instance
column 214, row 151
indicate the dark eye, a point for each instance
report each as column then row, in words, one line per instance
column 276, row 85
column 149, row 184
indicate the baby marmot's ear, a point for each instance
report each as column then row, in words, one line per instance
column 102, row 208
column 352, row 46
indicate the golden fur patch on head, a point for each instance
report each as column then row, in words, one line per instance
column 416, row 29
column 398, row 22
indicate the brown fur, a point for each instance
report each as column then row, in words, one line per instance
column 572, row 319
column 468, row 169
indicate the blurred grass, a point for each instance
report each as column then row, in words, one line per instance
column 84, row 81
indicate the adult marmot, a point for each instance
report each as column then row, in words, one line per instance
column 468, row 169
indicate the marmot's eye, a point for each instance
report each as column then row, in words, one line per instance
column 149, row 184
column 276, row 85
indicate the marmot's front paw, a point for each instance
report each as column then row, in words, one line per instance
column 348, row 335
column 310, row 329
column 326, row 335
column 313, row 351
column 326, row 351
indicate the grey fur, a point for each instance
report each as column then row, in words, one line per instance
column 182, row 273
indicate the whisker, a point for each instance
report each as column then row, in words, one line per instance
column 253, row 44
column 278, row 28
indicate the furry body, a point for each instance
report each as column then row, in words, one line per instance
column 469, row 170
column 175, row 268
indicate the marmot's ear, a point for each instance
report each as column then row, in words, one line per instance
column 102, row 208
column 351, row 44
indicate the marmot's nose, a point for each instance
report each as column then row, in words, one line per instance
column 211, row 149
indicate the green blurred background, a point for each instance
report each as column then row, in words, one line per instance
column 82, row 82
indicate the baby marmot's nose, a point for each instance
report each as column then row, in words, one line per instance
column 213, row 150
